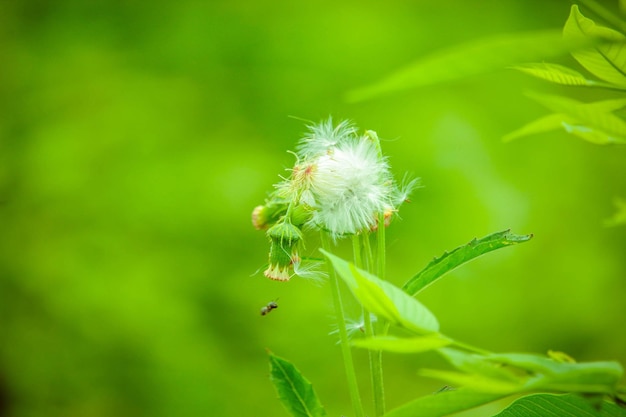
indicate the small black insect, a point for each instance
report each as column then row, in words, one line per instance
column 269, row 307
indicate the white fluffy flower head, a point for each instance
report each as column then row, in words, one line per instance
column 344, row 180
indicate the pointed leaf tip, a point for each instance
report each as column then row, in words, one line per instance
column 451, row 260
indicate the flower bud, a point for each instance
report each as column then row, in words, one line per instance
column 284, row 241
column 264, row 216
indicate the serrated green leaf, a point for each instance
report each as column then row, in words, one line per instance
column 590, row 121
column 544, row 124
column 555, row 73
column 450, row 260
column 569, row 405
column 473, row 58
column 404, row 345
column 294, row 390
column 606, row 61
column 384, row 299
column 444, row 403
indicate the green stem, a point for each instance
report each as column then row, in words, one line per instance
column 343, row 335
column 375, row 356
column 368, row 253
column 381, row 245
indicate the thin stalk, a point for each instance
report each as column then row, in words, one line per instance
column 343, row 335
column 367, row 248
column 375, row 356
column 381, row 246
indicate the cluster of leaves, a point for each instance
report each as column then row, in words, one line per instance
column 598, row 49
column 595, row 122
column 483, row 376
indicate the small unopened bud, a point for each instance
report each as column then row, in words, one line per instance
column 301, row 214
column 264, row 216
column 284, row 242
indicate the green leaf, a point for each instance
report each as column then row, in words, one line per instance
column 478, row 383
column 569, row 405
column 619, row 217
column 528, row 372
column 606, row 61
column 450, row 260
column 473, row 58
column 571, row 125
column 404, row 345
column 444, row 403
column 555, row 73
column 585, row 377
column 385, row 299
column 589, row 121
column 545, row 124
column 294, row 390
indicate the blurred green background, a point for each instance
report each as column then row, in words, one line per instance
column 136, row 137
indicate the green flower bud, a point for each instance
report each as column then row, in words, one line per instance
column 285, row 239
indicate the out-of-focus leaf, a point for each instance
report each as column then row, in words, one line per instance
column 385, row 299
column 450, row 260
column 527, row 372
column 544, row 124
column 588, row 134
column 479, row 365
column 569, row 405
column 585, row 377
column 554, row 73
column 589, row 118
column 475, row 382
column 606, row 61
column 404, row 345
column 473, row 58
column 619, row 217
column 444, row 403
column 571, row 125
column 294, row 390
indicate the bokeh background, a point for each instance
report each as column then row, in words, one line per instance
column 136, row 137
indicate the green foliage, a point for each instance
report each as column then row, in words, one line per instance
column 443, row 403
column 385, row 299
column 568, row 405
column 516, row 373
column 450, row 260
column 484, row 376
column 294, row 390
column 473, row 58
column 555, row 73
column 606, row 61
column 593, row 122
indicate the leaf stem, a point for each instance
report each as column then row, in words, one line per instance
column 375, row 356
column 381, row 246
column 343, row 334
